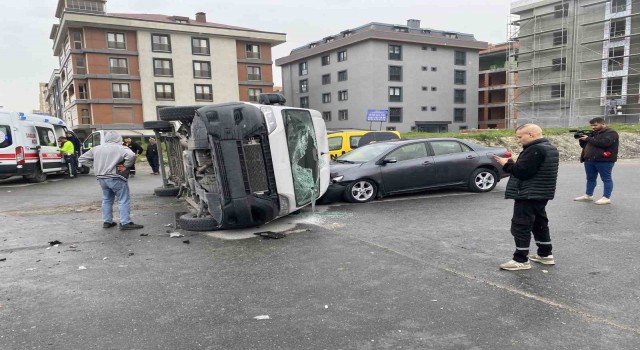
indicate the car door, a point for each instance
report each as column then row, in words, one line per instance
column 414, row 168
column 91, row 141
column 454, row 161
column 48, row 150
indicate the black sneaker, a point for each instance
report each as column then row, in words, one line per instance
column 108, row 224
column 130, row 226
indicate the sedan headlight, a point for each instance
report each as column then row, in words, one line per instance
column 337, row 179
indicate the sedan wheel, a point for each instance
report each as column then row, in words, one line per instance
column 483, row 180
column 361, row 191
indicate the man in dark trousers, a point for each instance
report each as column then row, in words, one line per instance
column 135, row 148
column 599, row 154
column 77, row 146
column 152, row 156
column 532, row 184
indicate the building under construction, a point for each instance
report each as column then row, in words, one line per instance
column 577, row 59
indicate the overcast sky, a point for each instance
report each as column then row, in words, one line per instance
column 26, row 57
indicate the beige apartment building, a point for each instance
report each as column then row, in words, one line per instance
column 119, row 68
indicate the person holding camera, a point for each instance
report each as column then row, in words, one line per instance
column 599, row 154
column 531, row 185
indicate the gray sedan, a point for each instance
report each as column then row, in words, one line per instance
column 402, row 166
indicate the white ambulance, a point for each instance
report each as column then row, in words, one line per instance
column 29, row 145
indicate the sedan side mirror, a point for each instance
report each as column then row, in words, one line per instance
column 389, row 160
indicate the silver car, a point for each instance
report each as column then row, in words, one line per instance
column 401, row 166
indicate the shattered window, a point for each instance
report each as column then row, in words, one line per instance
column 303, row 154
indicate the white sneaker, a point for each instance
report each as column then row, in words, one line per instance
column 602, row 201
column 546, row 260
column 513, row 265
column 584, row 198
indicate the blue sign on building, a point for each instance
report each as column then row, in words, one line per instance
column 375, row 115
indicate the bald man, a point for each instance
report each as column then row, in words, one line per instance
column 531, row 185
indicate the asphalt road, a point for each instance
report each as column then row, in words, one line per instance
column 409, row 272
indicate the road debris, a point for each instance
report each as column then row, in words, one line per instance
column 55, row 243
column 131, row 254
column 3, row 259
column 144, row 234
column 186, row 241
column 262, row 317
column 82, row 268
column 270, row 235
column 175, row 235
column 168, row 225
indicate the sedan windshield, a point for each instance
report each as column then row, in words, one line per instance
column 366, row 153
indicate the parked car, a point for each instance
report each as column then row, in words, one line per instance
column 400, row 166
column 241, row 164
column 343, row 141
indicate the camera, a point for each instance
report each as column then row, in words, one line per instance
column 579, row 133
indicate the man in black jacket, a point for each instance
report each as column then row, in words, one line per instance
column 599, row 154
column 137, row 149
column 152, row 156
column 532, row 184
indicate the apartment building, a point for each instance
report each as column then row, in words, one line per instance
column 425, row 79
column 119, row 68
column 578, row 59
column 497, row 88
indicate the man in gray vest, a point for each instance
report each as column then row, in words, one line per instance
column 532, row 184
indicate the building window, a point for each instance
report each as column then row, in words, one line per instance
column 80, row 66
column 560, row 37
column 326, row 98
column 303, row 68
column 343, row 95
column 395, row 52
column 160, row 42
column 304, row 102
column 424, row 88
column 120, row 90
column 86, row 117
column 326, row 79
column 83, row 93
column 253, row 51
column 200, row 46
column 343, row 114
column 425, row 68
column 434, row 108
column 118, row 66
column 459, row 115
column 460, row 58
column 561, row 11
column 391, row 128
column 326, row 60
column 614, row 88
column 616, row 58
column 342, row 56
column 557, row 90
column 395, row 115
column 433, row 48
column 617, row 28
column 459, row 77
column 433, row 69
column 326, row 116
column 618, row 6
column 253, row 73
column 164, row 91
column 395, row 73
column 116, row 41
column 424, row 108
column 395, row 94
column 459, row 96
column 254, row 94
column 342, row 75
column 304, row 86
column 162, row 67
column 559, row 64
column 201, row 69
column 433, row 88
column 77, row 40
column 204, row 93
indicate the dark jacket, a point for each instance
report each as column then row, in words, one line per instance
column 77, row 145
column 136, row 148
column 152, row 151
column 535, row 173
column 602, row 146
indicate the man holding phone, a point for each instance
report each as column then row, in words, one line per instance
column 531, row 185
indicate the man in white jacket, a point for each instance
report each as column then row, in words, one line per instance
column 110, row 162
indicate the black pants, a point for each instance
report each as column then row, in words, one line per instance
column 154, row 162
column 72, row 164
column 530, row 216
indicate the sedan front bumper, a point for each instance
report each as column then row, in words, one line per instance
column 334, row 193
